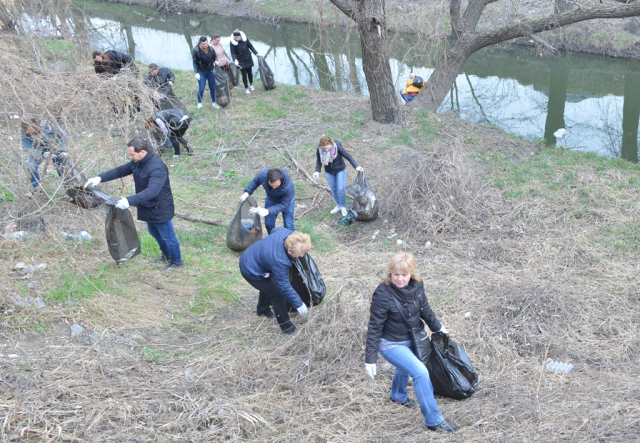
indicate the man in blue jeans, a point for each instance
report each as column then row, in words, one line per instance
column 153, row 197
column 281, row 197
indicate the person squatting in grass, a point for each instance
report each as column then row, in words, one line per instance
column 281, row 197
column 331, row 154
column 153, row 197
column 265, row 265
column 39, row 139
column 159, row 78
column 204, row 59
column 413, row 87
column 173, row 123
column 388, row 334
column 113, row 62
column 241, row 49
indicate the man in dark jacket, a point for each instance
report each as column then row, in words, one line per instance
column 159, row 78
column 281, row 197
column 265, row 265
column 153, row 197
column 113, row 62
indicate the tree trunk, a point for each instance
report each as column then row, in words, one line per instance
column 558, row 83
column 630, row 117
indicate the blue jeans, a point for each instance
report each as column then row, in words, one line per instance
column 407, row 97
column 287, row 215
column 35, row 160
column 164, row 234
column 337, row 182
column 204, row 77
column 407, row 365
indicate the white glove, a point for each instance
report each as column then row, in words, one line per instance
column 359, row 169
column 236, row 63
column 244, row 196
column 444, row 330
column 267, row 275
column 93, row 181
column 370, row 369
column 171, row 83
column 197, row 77
column 316, row 175
column 123, row 203
column 303, row 310
column 216, row 63
column 262, row 212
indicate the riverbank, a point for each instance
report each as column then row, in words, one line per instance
column 527, row 253
column 615, row 38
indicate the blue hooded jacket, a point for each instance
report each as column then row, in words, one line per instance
column 281, row 196
column 270, row 256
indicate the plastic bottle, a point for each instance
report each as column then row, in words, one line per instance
column 81, row 236
column 558, row 366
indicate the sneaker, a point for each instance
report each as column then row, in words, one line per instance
column 268, row 314
column 445, row 426
column 215, row 105
column 172, row 267
column 175, row 156
column 343, row 211
column 335, row 210
column 247, row 91
column 189, row 150
column 291, row 330
column 253, row 88
column 199, row 105
column 410, row 403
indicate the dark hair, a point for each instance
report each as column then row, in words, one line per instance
column 153, row 66
column 202, row 39
column 139, row 144
column 236, row 33
column 273, row 175
column 29, row 123
column 95, row 54
column 215, row 36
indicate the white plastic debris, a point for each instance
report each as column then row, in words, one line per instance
column 558, row 366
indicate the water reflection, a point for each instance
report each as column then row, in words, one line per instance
column 596, row 99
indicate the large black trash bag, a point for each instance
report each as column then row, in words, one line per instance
column 305, row 278
column 245, row 229
column 450, row 369
column 165, row 98
column 120, row 229
column 223, row 97
column 232, row 73
column 365, row 204
column 74, row 180
column 266, row 75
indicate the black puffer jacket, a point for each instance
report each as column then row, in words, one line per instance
column 241, row 51
column 203, row 61
column 173, row 118
column 337, row 165
column 386, row 321
column 153, row 195
column 161, row 80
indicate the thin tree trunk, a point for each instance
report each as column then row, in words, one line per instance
column 630, row 117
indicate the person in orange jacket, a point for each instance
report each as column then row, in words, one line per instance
column 414, row 86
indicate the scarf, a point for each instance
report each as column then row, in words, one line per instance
column 327, row 157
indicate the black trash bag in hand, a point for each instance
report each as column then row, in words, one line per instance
column 120, row 229
column 232, row 73
column 245, row 229
column 223, row 97
column 266, row 75
column 450, row 369
column 305, row 278
column 365, row 203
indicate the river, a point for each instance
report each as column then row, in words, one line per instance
column 596, row 99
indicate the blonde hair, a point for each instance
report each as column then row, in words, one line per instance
column 402, row 261
column 325, row 141
column 298, row 243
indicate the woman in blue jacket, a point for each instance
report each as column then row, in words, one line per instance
column 265, row 265
column 281, row 197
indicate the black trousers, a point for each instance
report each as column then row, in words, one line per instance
column 270, row 294
column 247, row 72
column 176, row 139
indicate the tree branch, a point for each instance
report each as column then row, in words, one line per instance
column 472, row 14
column 346, row 7
column 454, row 15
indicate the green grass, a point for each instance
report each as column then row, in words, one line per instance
column 150, row 354
column 75, row 287
column 6, row 196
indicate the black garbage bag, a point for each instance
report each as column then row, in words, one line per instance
column 365, row 204
column 232, row 73
column 120, row 229
column 165, row 98
column 74, row 180
column 223, row 97
column 450, row 369
column 305, row 278
column 266, row 75
column 245, row 229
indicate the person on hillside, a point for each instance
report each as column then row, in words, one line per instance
column 281, row 197
column 173, row 123
column 265, row 265
column 113, row 62
column 388, row 334
column 241, row 49
column 331, row 154
column 153, row 197
column 413, row 87
column 204, row 59
column 223, row 61
column 40, row 138
column 159, row 78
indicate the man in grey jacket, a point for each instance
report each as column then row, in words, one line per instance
column 159, row 78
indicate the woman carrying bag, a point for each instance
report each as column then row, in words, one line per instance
column 241, row 49
column 390, row 335
column 204, row 59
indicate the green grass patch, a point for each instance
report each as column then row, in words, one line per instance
column 84, row 286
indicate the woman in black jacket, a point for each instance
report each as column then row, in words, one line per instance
column 241, row 49
column 173, row 123
column 204, row 59
column 112, row 62
column 331, row 154
column 389, row 334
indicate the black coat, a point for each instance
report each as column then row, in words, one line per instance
column 337, row 165
column 153, row 195
column 203, row 61
column 386, row 322
column 173, row 118
column 115, row 61
column 160, row 81
column 241, row 51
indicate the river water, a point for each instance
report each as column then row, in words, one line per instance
column 596, row 99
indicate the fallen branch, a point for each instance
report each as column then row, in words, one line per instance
column 314, row 204
column 535, row 38
column 207, row 221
